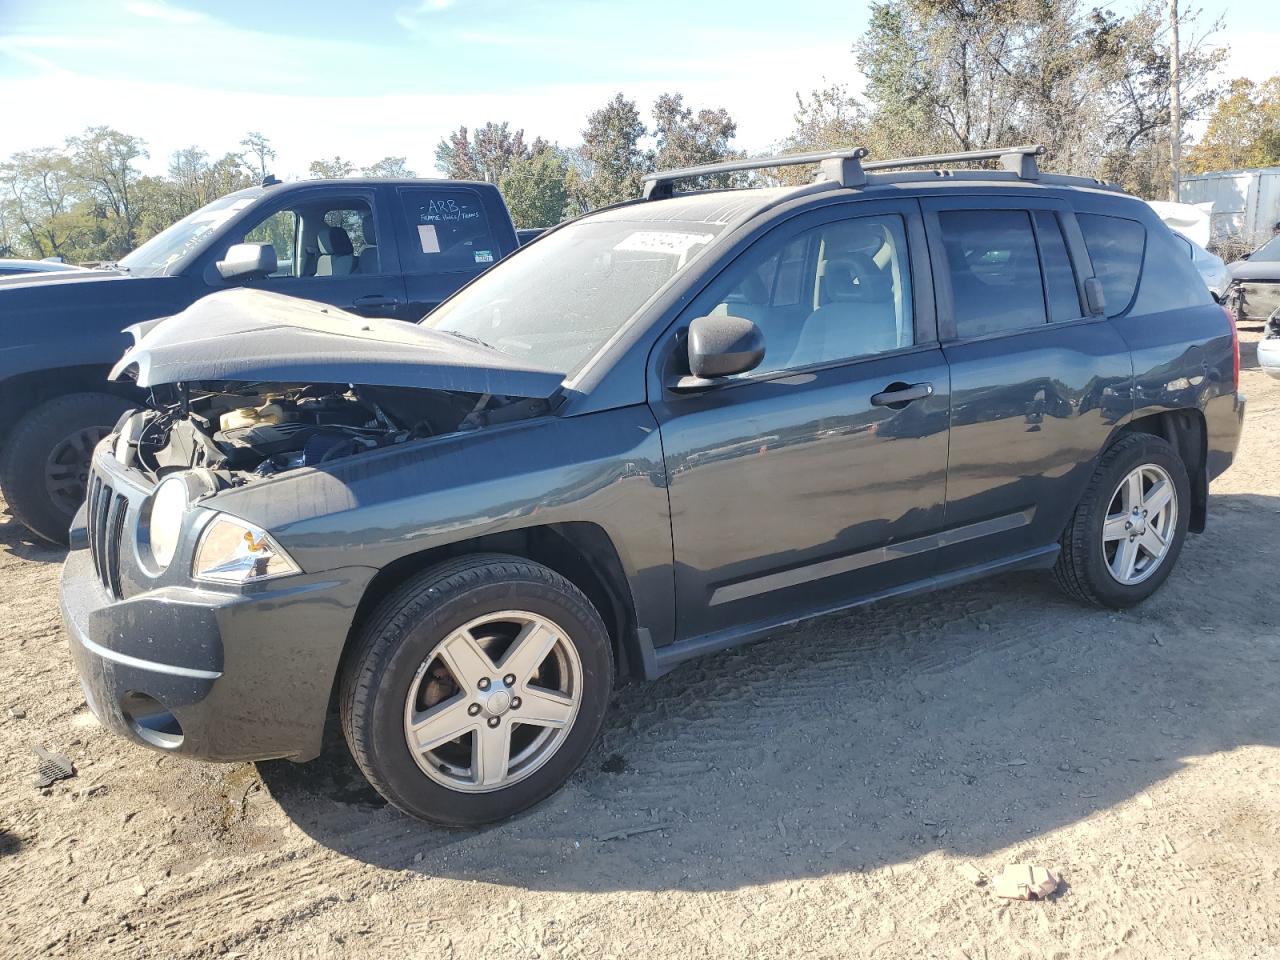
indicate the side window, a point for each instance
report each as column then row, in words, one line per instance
column 449, row 230
column 835, row 292
column 994, row 270
column 280, row 230
column 321, row 239
column 1116, row 247
column 1170, row 280
column 1059, row 276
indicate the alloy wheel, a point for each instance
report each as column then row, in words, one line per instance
column 1140, row 524
column 493, row 701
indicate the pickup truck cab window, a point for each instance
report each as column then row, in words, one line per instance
column 320, row 239
column 450, row 231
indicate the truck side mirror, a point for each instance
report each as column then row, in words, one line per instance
column 721, row 346
column 247, row 261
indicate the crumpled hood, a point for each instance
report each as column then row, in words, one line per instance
column 251, row 335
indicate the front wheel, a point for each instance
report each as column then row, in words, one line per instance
column 1128, row 529
column 476, row 689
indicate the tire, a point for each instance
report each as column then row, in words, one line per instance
column 59, row 433
column 1086, row 567
column 393, row 677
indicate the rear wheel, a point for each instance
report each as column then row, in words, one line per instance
column 44, row 466
column 476, row 689
column 1127, row 532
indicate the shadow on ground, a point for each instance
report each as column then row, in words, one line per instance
column 22, row 543
column 970, row 721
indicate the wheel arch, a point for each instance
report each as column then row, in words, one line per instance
column 23, row 392
column 581, row 552
column 1186, row 431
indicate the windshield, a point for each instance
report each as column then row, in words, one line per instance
column 557, row 303
column 1268, row 252
column 157, row 255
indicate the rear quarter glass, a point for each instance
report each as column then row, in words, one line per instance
column 1170, row 280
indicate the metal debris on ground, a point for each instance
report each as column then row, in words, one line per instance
column 1023, row 881
column 51, row 768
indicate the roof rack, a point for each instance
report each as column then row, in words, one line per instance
column 845, row 167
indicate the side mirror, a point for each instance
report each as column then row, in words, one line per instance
column 721, row 346
column 247, row 261
column 1095, row 298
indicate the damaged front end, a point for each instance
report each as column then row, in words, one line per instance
column 246, row 385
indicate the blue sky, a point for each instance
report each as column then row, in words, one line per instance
column 367, row 80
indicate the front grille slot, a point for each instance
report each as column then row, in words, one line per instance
column 106, row 515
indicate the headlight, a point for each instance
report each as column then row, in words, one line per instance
column 235, row 551
column 164, row 519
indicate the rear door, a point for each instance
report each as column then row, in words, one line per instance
column 819, row 477
column 448, row 236
column 1037, row 382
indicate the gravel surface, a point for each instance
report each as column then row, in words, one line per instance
column 830, row 793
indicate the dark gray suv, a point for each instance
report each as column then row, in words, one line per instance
column 663, row 429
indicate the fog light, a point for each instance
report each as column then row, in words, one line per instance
column 149, row 719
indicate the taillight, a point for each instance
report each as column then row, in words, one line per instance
column 1235, row 347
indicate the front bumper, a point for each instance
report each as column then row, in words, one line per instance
column 209, row 674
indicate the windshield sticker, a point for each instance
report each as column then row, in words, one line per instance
column 427, row 237
column 484, row 256
column 662, row 241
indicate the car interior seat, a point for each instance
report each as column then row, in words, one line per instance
column 367, row 260
column 337, row 256
column 858, row 316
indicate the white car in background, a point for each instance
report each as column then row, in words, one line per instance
column 1269, row 347
column 1211, row 267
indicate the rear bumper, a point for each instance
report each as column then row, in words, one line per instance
column 1224, row 421
column 207, row 674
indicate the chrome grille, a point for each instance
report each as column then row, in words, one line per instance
column 106, row 513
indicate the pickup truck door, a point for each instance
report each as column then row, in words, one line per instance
column 448, row 235
column 818, row 478
column 1038, row 384
column 353, row 266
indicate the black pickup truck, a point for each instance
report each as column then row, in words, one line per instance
column 378, row 248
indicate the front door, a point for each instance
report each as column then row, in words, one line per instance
column 335, row 249
column 819, row 477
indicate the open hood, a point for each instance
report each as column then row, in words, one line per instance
column 250, row 335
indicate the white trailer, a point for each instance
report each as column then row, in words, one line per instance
column 1246, row 203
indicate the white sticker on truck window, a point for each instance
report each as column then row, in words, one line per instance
column 484, row 256
column 427, row 237
column 662, row 241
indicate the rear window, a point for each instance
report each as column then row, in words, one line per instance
column 1116, row 247
column 994, row 269
column 449, row 231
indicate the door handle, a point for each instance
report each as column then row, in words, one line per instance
column 373, row 301
column 898, row 395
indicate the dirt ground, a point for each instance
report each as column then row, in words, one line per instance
column 813, row 796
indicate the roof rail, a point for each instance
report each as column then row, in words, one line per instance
column 845, row 167
column 839, row 166
column 1019, row 160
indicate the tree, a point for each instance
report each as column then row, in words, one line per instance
column 259, row 147
column 392, row 168
column 40, row 203
column 685, row 138
column 536, row 188
column 612, row 162
column 1243, row 129
column 105, row 161
column 334, row 169
column 483, row 154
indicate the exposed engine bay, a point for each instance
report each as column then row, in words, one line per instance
column 246, row 431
